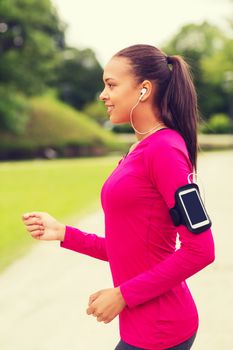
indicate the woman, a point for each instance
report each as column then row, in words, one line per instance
column 156, row 311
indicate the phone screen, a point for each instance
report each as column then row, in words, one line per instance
column 193, row 206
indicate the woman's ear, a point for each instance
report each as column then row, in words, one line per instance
column 146, row 90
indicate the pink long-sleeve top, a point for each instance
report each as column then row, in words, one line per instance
column 140, row 243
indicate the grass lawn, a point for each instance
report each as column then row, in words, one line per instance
column 65, row 188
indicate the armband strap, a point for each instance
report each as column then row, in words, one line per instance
column 180, row 214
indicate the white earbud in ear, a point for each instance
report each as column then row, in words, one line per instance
column 143, row 91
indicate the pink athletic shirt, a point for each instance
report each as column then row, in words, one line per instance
column 140, row 243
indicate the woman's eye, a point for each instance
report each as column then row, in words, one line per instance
column 110, row 85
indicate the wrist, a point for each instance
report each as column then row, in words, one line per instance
column 120, row 295
column 61, row 232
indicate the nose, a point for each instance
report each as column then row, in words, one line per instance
column 103, row 95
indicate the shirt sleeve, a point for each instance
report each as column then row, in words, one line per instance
column 84, row 243
column 168, row 167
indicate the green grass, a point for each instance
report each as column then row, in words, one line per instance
column 66, row 188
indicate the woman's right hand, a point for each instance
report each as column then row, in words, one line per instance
column 43, row 226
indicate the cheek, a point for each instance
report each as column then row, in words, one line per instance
column 121, row 112
column 123, row 100
column 123, row 107
column 127, row 105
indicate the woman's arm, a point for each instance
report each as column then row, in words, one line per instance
column 84, row 243
column 42, row 226
column 168, row 168
column 196, row 253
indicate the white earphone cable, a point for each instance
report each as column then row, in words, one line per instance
column 194, row 180
column 139, row 132
column 194, row 175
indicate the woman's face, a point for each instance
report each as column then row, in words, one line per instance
column 121, row 91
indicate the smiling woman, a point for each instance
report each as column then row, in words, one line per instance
column 118, row 85
column 142, row 74
column 156, row 95
column 120, row 93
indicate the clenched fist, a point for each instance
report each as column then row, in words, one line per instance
column 43, row 226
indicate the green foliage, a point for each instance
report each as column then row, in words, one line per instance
column 53, row 124
column 78, row 77
column 203, row 46
column 222, row 60
column 202, row 39
column 14, row 111
column 97, row 111
column 122, row 128
column 31, row 37
column 54, row 121
column 218, row 124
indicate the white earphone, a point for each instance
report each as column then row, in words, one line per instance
column 143, row 91
column 156, row 127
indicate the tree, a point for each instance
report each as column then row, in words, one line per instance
column 219, row 73
column 78, row 77
column 31, row 36
column 198, row 44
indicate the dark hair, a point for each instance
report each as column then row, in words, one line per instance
column 176, row 97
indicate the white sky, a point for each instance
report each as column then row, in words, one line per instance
column 107, row 26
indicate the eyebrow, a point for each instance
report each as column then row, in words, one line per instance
column 107, row 79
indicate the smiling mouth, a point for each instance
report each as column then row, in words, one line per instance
column 110, row 109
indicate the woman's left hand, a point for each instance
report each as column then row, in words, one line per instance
column 106, row 304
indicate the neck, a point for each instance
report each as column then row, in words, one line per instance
column 157, row 126
column 145, row 120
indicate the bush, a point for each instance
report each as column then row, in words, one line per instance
column 218, row 124
column 97, row 111
column 54, row 130
column 122, row 128
column 14, row 111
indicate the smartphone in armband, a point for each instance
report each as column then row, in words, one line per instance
column 189, row 209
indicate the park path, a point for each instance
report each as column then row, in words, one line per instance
column 44, row 295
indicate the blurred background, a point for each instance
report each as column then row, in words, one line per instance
column 57, row 145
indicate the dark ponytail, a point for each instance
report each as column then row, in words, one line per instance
column 176, row 96
column 179, row 105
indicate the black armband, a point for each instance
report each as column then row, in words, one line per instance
column 189, row 209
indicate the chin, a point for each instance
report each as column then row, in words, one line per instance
column 118, row 120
